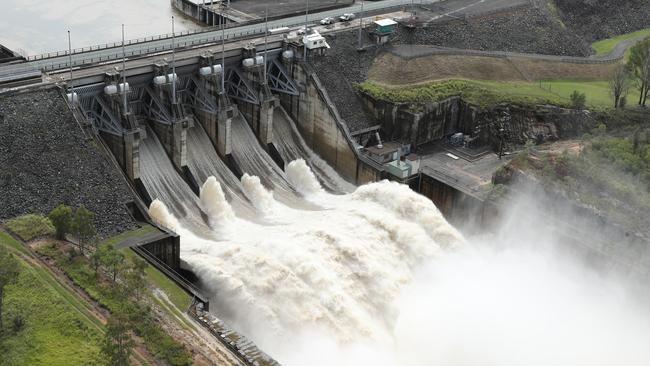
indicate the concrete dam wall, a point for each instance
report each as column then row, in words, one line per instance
column 324, row 130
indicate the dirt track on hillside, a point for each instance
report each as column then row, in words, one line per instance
column 394, row 70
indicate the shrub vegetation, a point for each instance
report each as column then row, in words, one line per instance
column 28, row 227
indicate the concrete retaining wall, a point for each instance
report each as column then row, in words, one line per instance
column 324, row 131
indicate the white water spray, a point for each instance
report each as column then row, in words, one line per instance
column 301, row 177
column 381, row 278
column 261, row 198
column 214, row 204
column 161, row 216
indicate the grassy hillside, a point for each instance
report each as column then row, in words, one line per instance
column 606, row 46
column 160, row 344
column 486, row 93
column 55, row 331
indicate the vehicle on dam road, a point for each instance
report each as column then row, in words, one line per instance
column 347, row 17
column 327, row 21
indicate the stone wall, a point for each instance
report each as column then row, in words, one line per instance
column 46, row 160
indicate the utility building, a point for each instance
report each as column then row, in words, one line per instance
column 384, row 28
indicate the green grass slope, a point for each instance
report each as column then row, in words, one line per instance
column 605, row 46
column 55, row 333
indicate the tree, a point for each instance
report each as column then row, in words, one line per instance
column 118, row 344
column 578, row 100
column 135, row 277
column 61, row 218
column 83, row 227
column 9, row 270
column 96, row 259
column 639, row 64
column 112, row 259
column 619, row 84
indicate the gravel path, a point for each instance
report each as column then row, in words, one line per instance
column 45, row 160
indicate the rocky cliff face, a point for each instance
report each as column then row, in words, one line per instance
column 419, row 124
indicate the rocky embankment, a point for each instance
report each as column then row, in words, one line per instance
column 599, row 19
column 45, row 160
column 339, row 70
column 524, row 29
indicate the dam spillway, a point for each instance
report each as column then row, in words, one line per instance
column 304, row 262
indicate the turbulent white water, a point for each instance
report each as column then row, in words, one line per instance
column 292, row 146
column 204, row 162
column 378, row 277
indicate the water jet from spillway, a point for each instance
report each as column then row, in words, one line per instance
column 161, row 215
column 301, row 177
column 214, row 204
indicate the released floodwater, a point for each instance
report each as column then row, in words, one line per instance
column 35, row 27
column 379, row 277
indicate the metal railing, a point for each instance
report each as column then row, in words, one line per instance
column 158, row 37
column 167, row 36
column 142, row 51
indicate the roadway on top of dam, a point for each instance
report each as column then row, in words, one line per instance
column 61, row 60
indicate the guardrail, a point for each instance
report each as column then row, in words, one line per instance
column 145, row 51
column 158, row 37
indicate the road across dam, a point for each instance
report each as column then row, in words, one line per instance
column 102, row 53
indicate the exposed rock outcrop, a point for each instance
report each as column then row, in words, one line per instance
column 419, row 124
column 525, row 29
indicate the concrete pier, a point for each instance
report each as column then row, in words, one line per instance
column 125, row 148
column 259, row 114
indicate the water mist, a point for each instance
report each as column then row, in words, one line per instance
column 379, row 277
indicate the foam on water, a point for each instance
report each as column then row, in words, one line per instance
column 337, row 270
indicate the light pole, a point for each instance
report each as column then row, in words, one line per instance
column 223, row 55
column 173, row 72
column 70, row 62
column 124, row 73
column 266, row 32
column 304, row 45
column 361, row 26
